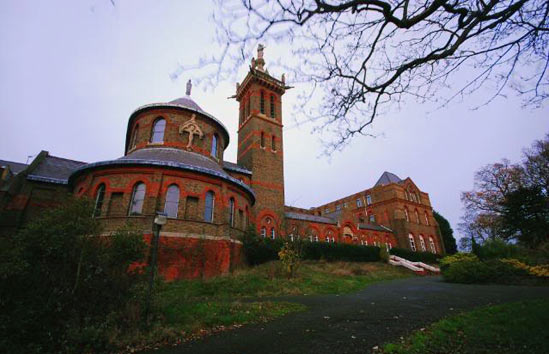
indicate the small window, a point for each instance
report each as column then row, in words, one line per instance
column 327, row 210
column 345, row 205
column 231, row 212
column 273, row 143
column 171, row 205
column 241, row 118
column 368, row 199
column 432, row 245
column 263, row 232
column 138, row 198
column 100, row 196
column 358, row 203
column 272, row 106
column 213, row 150
column 417, row 216
column 422, row 243
column 134, row 136
column 418, row 198
column 406, row 195
column 209, row 207
column 426, row 219
column 262, row 140
column 262, row 102
column 159, row 126
column 412, row 242
column 406, row 215
column 372, row 218
column 273, row 233
column 338, row 207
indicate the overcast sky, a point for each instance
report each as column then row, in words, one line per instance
column 71, row 73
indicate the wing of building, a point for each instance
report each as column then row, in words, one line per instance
column 174, row 163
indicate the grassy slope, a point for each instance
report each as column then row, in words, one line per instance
column 510, row 328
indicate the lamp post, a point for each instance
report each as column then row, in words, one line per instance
column 160, row 220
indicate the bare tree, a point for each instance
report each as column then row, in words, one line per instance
column 365, row 56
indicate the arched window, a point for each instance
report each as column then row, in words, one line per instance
column 263, row 232
column 247, row 107
column 231, row 212
column 99, row 197
column 209, row 207
column 157, row 135
column 273, row 233
column 134, row 136
column 417, row 216
column 262, row 140
column 171, row 205
column 138, row 198
column 422, row 243
column 273, row 115
column 406, row 195
column 432, row 244
column 262, row 102
column 426, row 219
column 273, row 143
column 412, row 242
column 213, row 150
column 418, row 198
column 406, row 215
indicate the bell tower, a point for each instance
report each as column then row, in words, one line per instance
column 260, row 145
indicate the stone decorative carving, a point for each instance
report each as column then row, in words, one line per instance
column 192, row 128
column 189, row 87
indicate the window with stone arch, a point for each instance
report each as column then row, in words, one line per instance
column 138, row 199
column 262, row 142
column 231, row 212
column 263, row 231
column 406, row 215
column 432, row 245
column 99, row 197
column 272, row 106
column 417, row 216
column 171, row 205
column 412, row 242
column 134, row 136
column 422, row 243
column 426, row 219
column 157, row 134
column 209, row 204
column 262, row 102
column 213, row 150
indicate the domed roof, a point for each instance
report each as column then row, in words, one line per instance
column 187, row 102
column 169, row 158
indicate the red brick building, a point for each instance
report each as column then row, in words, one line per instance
column 173, row 163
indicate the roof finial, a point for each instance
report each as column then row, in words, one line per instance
column 260, row 62
column 189, row 87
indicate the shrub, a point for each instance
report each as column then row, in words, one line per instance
column 471, row 271
column 290, row 257
column 383, row 255
column 259, row 250
column 457, row 257
column 426, row 257
column 497, row 248
column 339, row 252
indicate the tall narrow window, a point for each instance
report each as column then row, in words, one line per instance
column 100, row 196
column 273, row 115
column 247, row 107
column 426, row 219
column 171, row 205
column 368, row 199
column 273, row 233
column 432, row 244
column 138, row 198
column 262, row 139
column 406, row 215
column 412, row 242
column 372, row 218
column 134, row 136
column 273, row 143
column 422, row 243
column 241, row 218
column 159, row 126
column 263, row 232
column 209, row 207
column 262, row 102
column 213, row 150
column 241, row 118
column 231, row 212
column 417, row 216
column 358, row 203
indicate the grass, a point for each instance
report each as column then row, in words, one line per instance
column 519, row 327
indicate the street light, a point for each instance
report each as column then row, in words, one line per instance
column 160, row 220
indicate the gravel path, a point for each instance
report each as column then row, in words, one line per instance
column 358, row 322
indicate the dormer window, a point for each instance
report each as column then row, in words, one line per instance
column 157, row 134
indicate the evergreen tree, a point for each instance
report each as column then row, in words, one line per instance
column 447, row 233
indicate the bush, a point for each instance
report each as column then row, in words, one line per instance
column 493, row 249
column 426, row 257
column 259, row 250
column 470, row 271
column 59, row 280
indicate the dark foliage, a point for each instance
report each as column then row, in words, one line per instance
column 426, row 257
column 61, row 284
column 447, row 233
column 478, row 272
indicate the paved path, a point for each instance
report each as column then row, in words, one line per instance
column 356, row 323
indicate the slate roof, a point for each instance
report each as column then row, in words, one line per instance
column 54, row 170
column 387, row 178
column 308, row 217
column 374, row 227
column 15, row 167
column 187, row 102
column 231, row 166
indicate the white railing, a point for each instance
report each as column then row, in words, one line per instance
column 413, row 266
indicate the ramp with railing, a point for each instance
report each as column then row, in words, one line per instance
column 418, row 267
